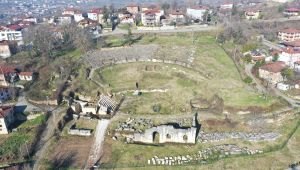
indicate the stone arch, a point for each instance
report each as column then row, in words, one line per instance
column 155, row 137
column 185, row 138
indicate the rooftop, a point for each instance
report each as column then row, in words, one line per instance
column 274, row 67
column 290, row 30
column 5, row 110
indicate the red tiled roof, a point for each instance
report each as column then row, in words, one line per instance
column 132, row 5
column 25, row 73
column 4, row 42
column 290, row 30
column 15, row 27
column 291, row 50
column 295, row 43
column 177, row 12
column 96, row 10
column 7, row 69
column 4, row 110
column 200, row 7
column 292, row 10
column 274, row 67
column 151, row 11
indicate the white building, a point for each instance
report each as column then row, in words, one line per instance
column 65, row 19
column 289, row 56
column 197, row 12
column 26, row 76
column 152, row 17
column 226, row 6
column 96, row 15
column 7, row 34
column 6, row 119
column 4, row 49
column 78, row 17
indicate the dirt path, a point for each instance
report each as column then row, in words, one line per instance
column 47, row 135
column 96, row 149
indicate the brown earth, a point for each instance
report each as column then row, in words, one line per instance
column 71, row 151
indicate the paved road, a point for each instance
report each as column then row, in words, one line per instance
column 195, row 28
column 47, row 135
column 96, row 149
column 23, row 105
column 271, row 45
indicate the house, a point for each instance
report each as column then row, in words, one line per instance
column 78, row 16
column 133, row 8
column 83, row 107
column 252, row 14
column 226, row 6
column 293, row 44
column 11, row 33
column 26, row 76
column 289, row 34
column 146, row 7
column 289, row 56
column 106, row 105
column 70, row 11
column 7, row 118
column 152, row 17
column 30, row 19
column 177, row 16
column 7, row 75
column 256, row 55
column 96, row 15
column 291, row 12
column 126, row 17
column 271, row 72
column 65, row 19
column 93, row 26
column 4, row 49
column 197, row 12
column 283, row 86
column 6, row 93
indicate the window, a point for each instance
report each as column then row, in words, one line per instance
column 185, row 138
column 168, row 136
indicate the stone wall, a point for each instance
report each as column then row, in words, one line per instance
column 44, row 102
column 167, row 133
column 80, row 132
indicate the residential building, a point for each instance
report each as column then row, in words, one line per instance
column 289, row 56
column 11, row 33
column 126, row 17
column 65, row 19
column 177, row 16
column 293, row 44
column 252, row 14
column 289, row 34
column 7, row 75
column 197, row 12
column 70, row 11
column 7, row 119
column 152, row 17
column 6, row 93
column 4, row 49
column 78, row 16
column 226, row 6
column 271, row 72
column 30, row 19
column 291, row 11
column 133, row 8
column 26, row 76
column 149, row 7
column 96, row 15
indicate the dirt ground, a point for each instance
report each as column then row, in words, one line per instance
column 71, row 152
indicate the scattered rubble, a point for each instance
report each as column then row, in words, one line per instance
column 253, row 137
column 202, row 156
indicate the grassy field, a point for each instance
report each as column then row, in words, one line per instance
column 120, row 154
column 12, row 147
column 183, row 85
column 218, row 75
